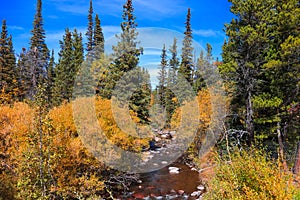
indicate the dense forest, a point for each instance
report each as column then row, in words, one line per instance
column 246, row 142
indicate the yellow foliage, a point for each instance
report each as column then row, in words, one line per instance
column 250, row 176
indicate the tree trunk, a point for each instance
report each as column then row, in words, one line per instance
column 296, row 169
column 281, row 147
column 249, row 119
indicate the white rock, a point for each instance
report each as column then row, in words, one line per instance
column 164, row 136
column 196, row 193
column 174, row 168
column 157, row 139
column 200, row 187
column 172, row 133
column 174, row 172
column 164, row 162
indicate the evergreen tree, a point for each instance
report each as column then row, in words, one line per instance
column 90, row 42
column 162, row 77
column 78, row 49
column 126, row 52
column 98, row 36
column 174, row 62
column 8, row 77
column 244, row 54
column 33, row 63
column 38, row 33
column 170, row 98
column 70, row 60
column 199, row 81
column 140, row 100
column 186, row 66
column 260, row 59
column 279, row 78
column 31, row 74
column 204, row 70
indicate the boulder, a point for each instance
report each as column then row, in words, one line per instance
column 180, row 192
column 196, row 194
column 173, row 170
column 200, row 187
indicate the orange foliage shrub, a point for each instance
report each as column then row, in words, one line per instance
column 15, row 122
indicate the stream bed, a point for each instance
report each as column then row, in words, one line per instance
column 162, row 184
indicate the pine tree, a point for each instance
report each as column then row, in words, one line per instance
column 199, row 81
column 31, row 74
column 64, row 71
column 170, row 98
column 98, row 36
column 162, row 77
column 8, row 77
column 174, row 62
column 186, row 66
column 38, row 33
column 33, row 63
column 244, row 54
column 90, row 43
column 126, row 52
column 140, row 100
column 279, row 77
column 204, row 70
column 78, row 49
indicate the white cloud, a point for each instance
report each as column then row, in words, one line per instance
column 15, row 28
column 159, row 7
column 207, row 33
column 150, row 9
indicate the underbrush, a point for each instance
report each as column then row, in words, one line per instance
column 249, row 175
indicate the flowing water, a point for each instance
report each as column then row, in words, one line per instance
column 161, row 184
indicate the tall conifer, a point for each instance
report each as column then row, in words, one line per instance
column 186, row 65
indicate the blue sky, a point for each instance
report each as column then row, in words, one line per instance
column 160, row 21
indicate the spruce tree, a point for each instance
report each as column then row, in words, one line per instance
column 244, row 57
column 33, row 63
column 162, row 77
column 64, row 71
column 126, row 52
column 90, row 42
column 98, row 36
column 186, row 66
column 173, row 62
column 198, row 80
column 140, row 99
column 38, row 33
column 126, row 57
column 8, row 83
column 78, row 49
column 170, row 98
